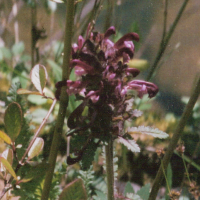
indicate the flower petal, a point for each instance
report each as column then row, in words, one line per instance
column 110, row 31
column 80, row 42
column 133, row 71
column 143, row 87
column 127, row 37
column 75, row 87
column 88, row 69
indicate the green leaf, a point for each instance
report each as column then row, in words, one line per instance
column 57, row 70
column 6, row 52
column 100, row 195
column 35, row 99
column 39, row 114
column 8, row 155
column 58, row 1
column 140, row 64
column 13, row 120
column 74, row 191
column 39, row 77
column 5, row 137
column 189, row 160
column 128, row 188
column 24, row 91
column 144, row 191
column 148, row 130
column 18, row 48
column 132, row 196
column 25, row 180
column 36, row 148
column 7, row 165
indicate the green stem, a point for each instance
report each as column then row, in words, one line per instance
column 179, row 129
column 109, row 169
column 63, row 100
column 168, row 188
column 164, row 23
column 166, row 41
column 186, row 170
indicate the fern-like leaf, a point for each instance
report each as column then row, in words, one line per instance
column 130, row 144
column 148, row 130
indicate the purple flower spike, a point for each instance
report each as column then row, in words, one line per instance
column 133, row 71
column 103, row 84
column 127, row 37
column 87, row 69
column 143, row 87
column 109, row 32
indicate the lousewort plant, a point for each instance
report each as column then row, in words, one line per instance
column 106, row 87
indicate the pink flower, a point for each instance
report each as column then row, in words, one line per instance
column 143, row 87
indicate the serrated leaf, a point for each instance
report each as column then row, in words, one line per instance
column 39, row 77
column 74, row 191
column 24, row 91
column 128, row 188
column 130, row 144
column 144, row 191
column 148, row 131
column 5, row 137
column 36, row 148
column 88, row 155
column 7, row 165
column 13, row 120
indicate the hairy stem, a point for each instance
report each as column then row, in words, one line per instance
column 63, row 100
column 166, row 41
column 109, row 170
column 185, row 116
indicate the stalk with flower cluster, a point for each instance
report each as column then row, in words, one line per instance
column 105, row 86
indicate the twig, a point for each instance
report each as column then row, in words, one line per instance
column 174, row 140
column 166, row 41
column 109, row 169
column 4, row 192
column 38, row 131
column 63, row 100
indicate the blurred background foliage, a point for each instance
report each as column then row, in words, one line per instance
column 21, row 47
